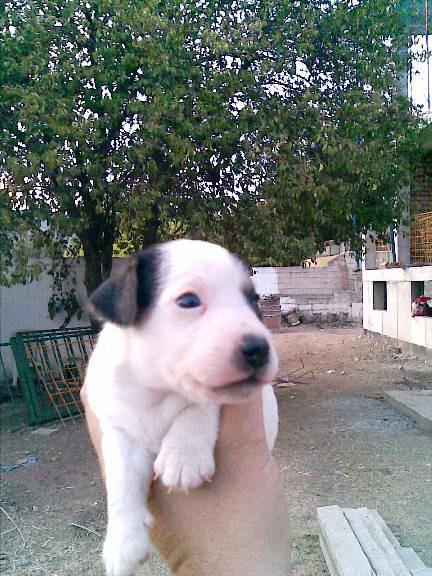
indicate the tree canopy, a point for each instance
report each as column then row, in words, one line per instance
column 269, row 126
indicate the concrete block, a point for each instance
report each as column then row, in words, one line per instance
column 288, row 307
column 357, row 311
column 414, row 403
column 287, row 300
column 341, row 297
column 337, row 307
column 320, row 307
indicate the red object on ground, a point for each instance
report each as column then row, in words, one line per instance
column 420, row 307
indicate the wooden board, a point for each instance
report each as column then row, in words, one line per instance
column 358, row 542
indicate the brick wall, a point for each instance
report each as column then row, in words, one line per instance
column 421, row 192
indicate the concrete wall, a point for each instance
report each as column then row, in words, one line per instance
column 26, row 307
column 325, row 293
column 266, row 281
column 396, row 322
column 333, row 289
column 328, row 293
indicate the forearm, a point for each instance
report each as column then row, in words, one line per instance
column 237, row 524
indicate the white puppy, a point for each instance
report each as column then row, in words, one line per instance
column 182, row 337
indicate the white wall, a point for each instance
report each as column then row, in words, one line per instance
column 265, row 281
column 26, row 307
column 396, row 321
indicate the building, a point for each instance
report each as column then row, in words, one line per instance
column 394, row 275
column 393, row 279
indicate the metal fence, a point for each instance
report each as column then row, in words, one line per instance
column 6, row 388
column 421, row 238
column 51, row 366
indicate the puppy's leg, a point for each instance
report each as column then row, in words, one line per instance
column 128, row 474
column 186, row 457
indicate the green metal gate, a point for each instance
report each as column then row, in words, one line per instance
column 51, row 367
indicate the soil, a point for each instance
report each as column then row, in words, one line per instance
column 339, row 443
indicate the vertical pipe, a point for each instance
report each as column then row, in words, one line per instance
column 428, row 72
column 392, row 243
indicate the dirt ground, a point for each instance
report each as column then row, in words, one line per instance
column 339, row 443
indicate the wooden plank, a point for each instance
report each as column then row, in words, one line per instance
column 329, row 561
column 409, row 557
column 358, row 541
column 384, row 527
column 377, row 547
column 412, row 560
column 346, row 553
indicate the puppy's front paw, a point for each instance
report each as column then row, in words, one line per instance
column 184, row 466
column 125, row 549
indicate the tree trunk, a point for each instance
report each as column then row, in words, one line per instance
column 98, row 261
column 98, row 264
column 151, row 232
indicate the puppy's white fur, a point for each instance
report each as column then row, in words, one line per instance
column 157, row 385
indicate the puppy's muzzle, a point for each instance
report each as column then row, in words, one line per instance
column 254, row 352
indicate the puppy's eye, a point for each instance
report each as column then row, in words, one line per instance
column 188, row 300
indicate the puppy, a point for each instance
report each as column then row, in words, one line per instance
column 182, row 336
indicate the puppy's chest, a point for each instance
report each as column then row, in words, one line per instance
column 147, row 414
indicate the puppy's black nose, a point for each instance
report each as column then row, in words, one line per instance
column 255, row 351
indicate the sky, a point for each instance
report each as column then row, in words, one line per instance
column 420, row 88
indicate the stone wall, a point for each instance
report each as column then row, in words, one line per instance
column 331, row 293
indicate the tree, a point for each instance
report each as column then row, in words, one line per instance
column 350, row 133
column 15, row 246
column 269, row 126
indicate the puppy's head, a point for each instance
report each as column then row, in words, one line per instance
column 189, row 310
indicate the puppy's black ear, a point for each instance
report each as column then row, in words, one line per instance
column 128, row 292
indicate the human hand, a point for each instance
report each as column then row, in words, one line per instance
column 235, row 525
